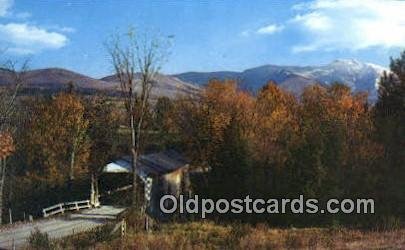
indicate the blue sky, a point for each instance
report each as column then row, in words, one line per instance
column 208, row 35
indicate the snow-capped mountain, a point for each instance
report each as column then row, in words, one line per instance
column 358, row 75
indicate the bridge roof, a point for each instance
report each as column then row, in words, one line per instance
column 159, row 163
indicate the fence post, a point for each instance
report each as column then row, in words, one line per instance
column 61, row 208
column 123, row 227
column 10, row 215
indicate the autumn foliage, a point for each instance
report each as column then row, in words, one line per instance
column 274, row 144
column 55, row 132
column 328, row 142
column 6, row 145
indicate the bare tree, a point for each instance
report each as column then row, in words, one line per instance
column 8, row 94
column 137, row 60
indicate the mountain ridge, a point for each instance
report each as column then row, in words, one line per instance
column 57, row 79
column 358, row 75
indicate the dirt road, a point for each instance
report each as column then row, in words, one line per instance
column 58, row 227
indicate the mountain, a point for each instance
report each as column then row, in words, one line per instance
column 56, row 79
column 59, row 78
column 358, row 75
column 166, row 85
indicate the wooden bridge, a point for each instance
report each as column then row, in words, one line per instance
column 16, row 235
column 67, row 206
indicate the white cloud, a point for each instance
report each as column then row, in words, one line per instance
column 5, row 5
column 270, row 29
column 350, row 24
column 25, row 38
column 22, row 38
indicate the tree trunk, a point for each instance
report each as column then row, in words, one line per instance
column 134, row 152
column 141, row 205
column 72, row 164
column 71, row 170
column 94, row 191
column 3, row 173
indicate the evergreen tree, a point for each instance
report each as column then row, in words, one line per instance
column 390, row 124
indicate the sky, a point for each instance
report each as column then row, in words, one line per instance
column 207, row 35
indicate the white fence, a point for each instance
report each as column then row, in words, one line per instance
column 68, row 206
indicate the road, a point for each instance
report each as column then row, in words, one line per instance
column 58, row 227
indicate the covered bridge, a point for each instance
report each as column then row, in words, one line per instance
column 165, row 172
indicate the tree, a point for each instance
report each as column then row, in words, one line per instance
column 202, row 121
column 276, row 123
column 56, row 141
column 232, row 165
column 76, row 128
column 163, row 122
column 390, row 111
column 274, row 134
column 103, row 133
column 137, row 61
column 389, row 121
column 213, row 128
column 6, row 149
column 334, row 123
column 8, row 95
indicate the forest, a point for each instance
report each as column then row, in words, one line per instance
column 327, row 142
column 191, row 125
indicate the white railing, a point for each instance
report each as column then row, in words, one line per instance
column 67, row 206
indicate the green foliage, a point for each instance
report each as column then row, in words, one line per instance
column 390, row 124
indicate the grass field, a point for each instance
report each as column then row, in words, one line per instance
column 208, row 235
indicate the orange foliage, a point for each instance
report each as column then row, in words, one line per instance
column 202, row 122
column 6, row 145
column 276, row 124
column 56, row 129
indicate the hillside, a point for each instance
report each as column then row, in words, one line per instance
column 358, row 75
column 56, row 79
column 169, row 86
